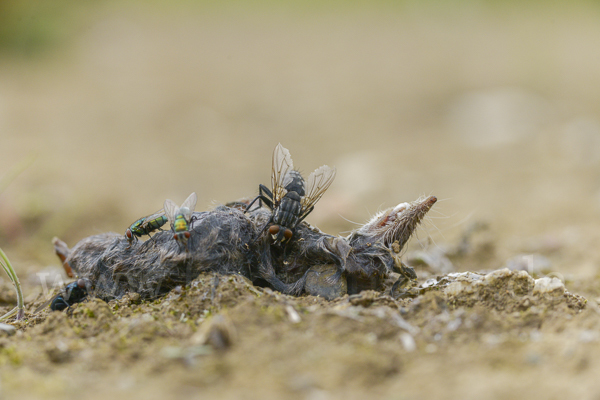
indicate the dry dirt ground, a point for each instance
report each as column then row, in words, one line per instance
column 493, row 108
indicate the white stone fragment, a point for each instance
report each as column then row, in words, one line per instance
column 548, row 285
column 498, row 274
column 292, row 314
column 428, row 283
column 408, row 342
column 455, row 288
column 7, row 329
column 469, row 276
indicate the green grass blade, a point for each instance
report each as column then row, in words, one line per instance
column 9, row 314
column 7, row 266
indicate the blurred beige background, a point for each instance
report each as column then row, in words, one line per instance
column 491, row 106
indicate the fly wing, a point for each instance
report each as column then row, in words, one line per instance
column 188, row 205
column 316, row 185
column 46, row 303
column 282, row 164
column 152, row 217
column 171, row 209
column 191, row 201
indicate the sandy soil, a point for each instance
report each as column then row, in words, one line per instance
column 493, row 109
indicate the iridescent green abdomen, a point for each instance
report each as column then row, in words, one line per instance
column 180, row 224
column 156, row 223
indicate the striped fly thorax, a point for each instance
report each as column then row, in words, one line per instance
column 136, row 228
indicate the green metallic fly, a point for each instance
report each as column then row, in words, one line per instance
column 180, row 217
column 146, row 225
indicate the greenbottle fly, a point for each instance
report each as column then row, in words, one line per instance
column 180, row 217
column 146, row 225
column 74, row 292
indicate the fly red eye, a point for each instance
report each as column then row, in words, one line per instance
column 187, row 234
column 287, row 234
column 274, row 229
column 128, row 233
column 175, row 237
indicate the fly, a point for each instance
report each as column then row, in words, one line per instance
column 74, row 292
column 292, row 198
column 146, row 225
column 180, row 217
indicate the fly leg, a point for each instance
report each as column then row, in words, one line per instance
column 305, row 214
column 152, row 238
column 264, row 195
column 131, row 241
column 264, row 228
column 69, row 311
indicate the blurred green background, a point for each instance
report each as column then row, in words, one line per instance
column 108, row 108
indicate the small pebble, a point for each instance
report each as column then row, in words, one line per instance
column 548, row 285
column 408, row 342
column 8, row 330
column 292, row 314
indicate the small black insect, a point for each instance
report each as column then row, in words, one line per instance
column 292, row 198
column 74, row 292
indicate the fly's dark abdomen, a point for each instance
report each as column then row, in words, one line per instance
column 59, row 304
column 74, row 292
column 288, row 212
column 290, row 208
